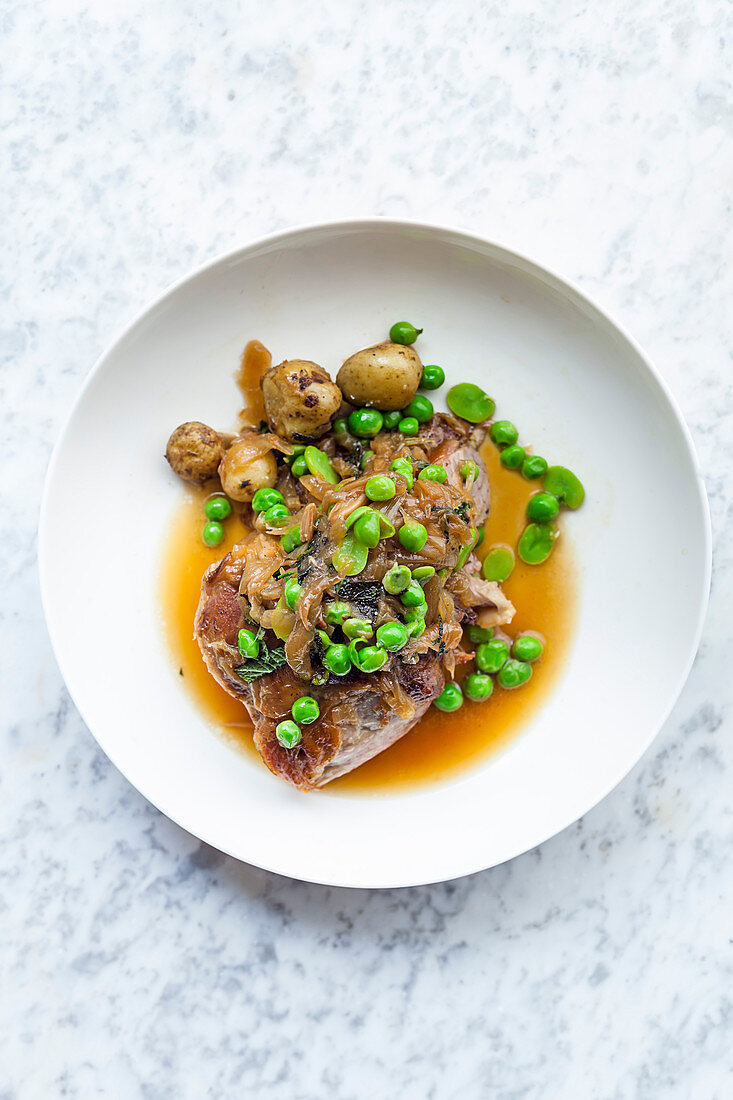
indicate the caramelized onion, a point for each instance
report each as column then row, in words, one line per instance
column 396, row 697
column 321, row 511
column 297, row 649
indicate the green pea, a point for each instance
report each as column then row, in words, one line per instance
column 217, row 508
column 536, row 542
column 265, row 498
column 481, row 537
column 470, row 402
column 498, row 563
column 305, row 710
column 392, row 636
column 512, row 457
column 392, row 419
column 299, row 466
column 493, row 655
column 423, row 573
column 298, row 449
column 337, row 660
column 292, row 591
column 396, row 579
column 478, row 686
column 416, row 628
column 403, row 467
column 469, row 470
column 433, row 473
column 415, row 614
column 412, row 535
column 372, row 658
column 533, row 467
column 503, row 433
column 450, row 698
column 336, row 612
column 386, row 527
column 362, row 510
column 355, row 647
column 357, row 628
column 409, row 425
column 413, row 596
column 288, row 734
column 351, row 556
column 563, row 484
column 466, row 550
column 365, row 423
column 380, row 487
column 213, row 533
column 247, row 644
column 274, row 514
column 527, row 648
column 341, row 426
column 365, row 459
column 421, row 408
column 291, row 539
column 319, row 465
column 542, row 507
column 478, row 634
column 367, row 529
column 433, row 377
column 402, row 332
column 514, row 674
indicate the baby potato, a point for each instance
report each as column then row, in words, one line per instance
column 194, row 451
column 246, row 467
column 386, row 376
column 300, row 399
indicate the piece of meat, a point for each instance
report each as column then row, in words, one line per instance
column 442, row 427
column 451, row 455
column 368, row 719
column 361, row 715
column 471, row 590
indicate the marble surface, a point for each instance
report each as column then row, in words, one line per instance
column 139, row 140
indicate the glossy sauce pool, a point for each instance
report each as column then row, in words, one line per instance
column 440, row 745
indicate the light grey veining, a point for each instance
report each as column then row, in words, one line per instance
column 139, row 140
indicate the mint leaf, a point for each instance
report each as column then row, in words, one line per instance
column 260, row 666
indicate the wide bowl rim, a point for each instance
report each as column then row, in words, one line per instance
column 457, row 235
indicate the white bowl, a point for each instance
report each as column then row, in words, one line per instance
column 584, row 394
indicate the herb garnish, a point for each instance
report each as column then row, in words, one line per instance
column 268, row 660
column 304, row 564
column 365, row 594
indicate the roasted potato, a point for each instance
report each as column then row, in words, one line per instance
column 300, row 399
column 194, row 451
column 386, row 376
column 248, row 465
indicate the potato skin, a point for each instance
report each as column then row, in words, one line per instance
column 194, row 451
column 246, row 467
column 300, row 399
column 386, row 376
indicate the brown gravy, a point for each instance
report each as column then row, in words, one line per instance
column 255, row 361
column 440, row 745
